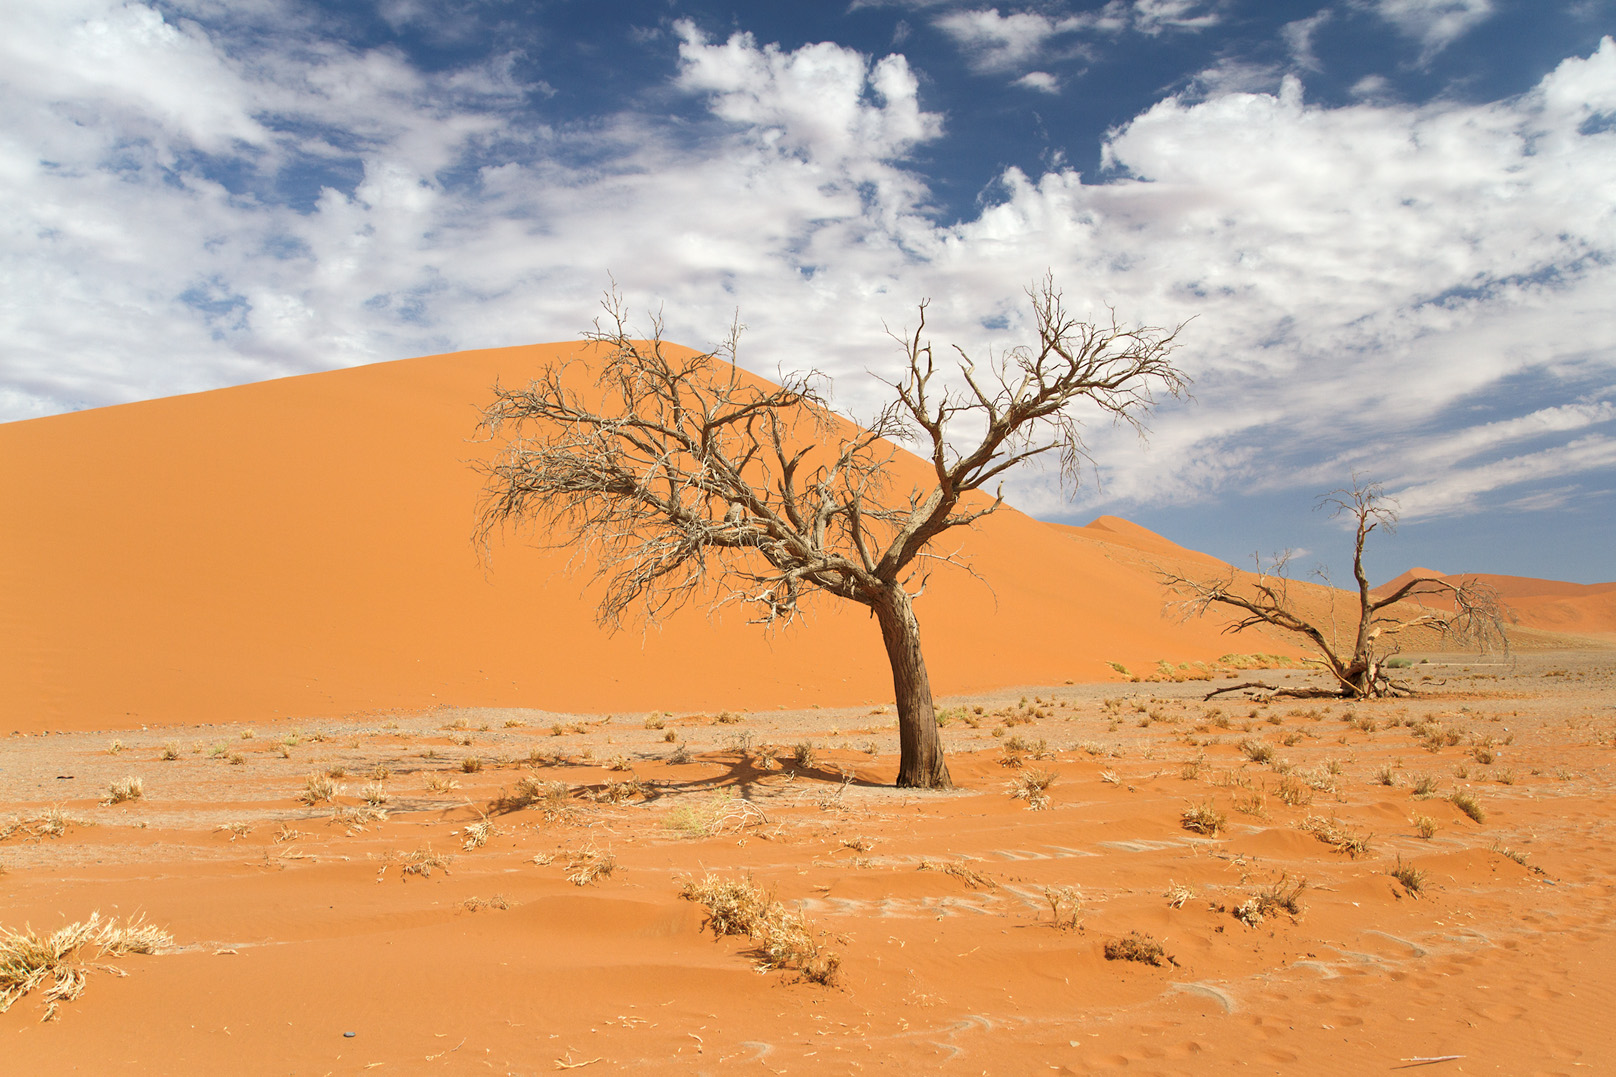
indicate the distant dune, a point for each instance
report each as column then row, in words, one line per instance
column 301, row 547
column 1545, row 605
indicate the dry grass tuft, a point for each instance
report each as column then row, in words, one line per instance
column 27, row 959
column 1517, row 856
column 1293, row 791
column 1283, row 896
column 618, row 792
column 554, row 801
column 961, row 870
column 1424, row 785
column 53, row 822
column 1032, row 785
column 421, row 862
column 475, row 904
column 437, row 783
column 375, row 794
column 1412, row 878
column 471, row 764
column 1424, row 826
column 1137, row 947
column 783, row 938
column 1065, row 907
column 355, row 819
column 529, row 790
column 1468, row 803
column 130, row 788
column 1177, row 894
column 318, row 788
column 586, row 865
column 1332, row 833
column 1253, row 804
column 722, row 809
column 1256, row 751
column 477, row 834
column 1203, row 818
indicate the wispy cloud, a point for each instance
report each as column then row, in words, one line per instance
column 1433, row 23
column 1017, row 40
column 996, row 42
column 1041, row 81
column 1462, row 490
column 1298, row 37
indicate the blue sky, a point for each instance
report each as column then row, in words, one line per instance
column 1392, row 221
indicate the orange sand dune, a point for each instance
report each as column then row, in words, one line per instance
column 301, row 547
column 1549, row 605
column 1114, row 531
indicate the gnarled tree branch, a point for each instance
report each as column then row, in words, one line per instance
column 1467, row 611
column 679, row 478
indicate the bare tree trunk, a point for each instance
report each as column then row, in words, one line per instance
column 920, row 755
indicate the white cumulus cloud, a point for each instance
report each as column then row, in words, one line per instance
column 1358, row 276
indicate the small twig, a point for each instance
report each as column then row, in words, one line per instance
column 570, row 1065
column 450, row 1051
column 1412, row 1062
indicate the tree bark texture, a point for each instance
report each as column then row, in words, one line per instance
column 920, row 756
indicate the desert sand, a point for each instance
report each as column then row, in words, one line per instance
column 401, row 811
column 302, row 547
column 294, row 924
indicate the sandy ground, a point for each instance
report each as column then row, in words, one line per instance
column 293, row 929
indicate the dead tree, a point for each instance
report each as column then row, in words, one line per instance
column 1467, row 611
column 679, row 478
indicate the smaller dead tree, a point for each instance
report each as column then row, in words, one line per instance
column 678, row 478
column 1466, row 612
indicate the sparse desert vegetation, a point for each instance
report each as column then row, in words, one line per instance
column 28, row 959
column 737, row 906
column 1135, row 946
column 1203, row 818
column 1033, row 785
column 130, row 788
column 1172, row 818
